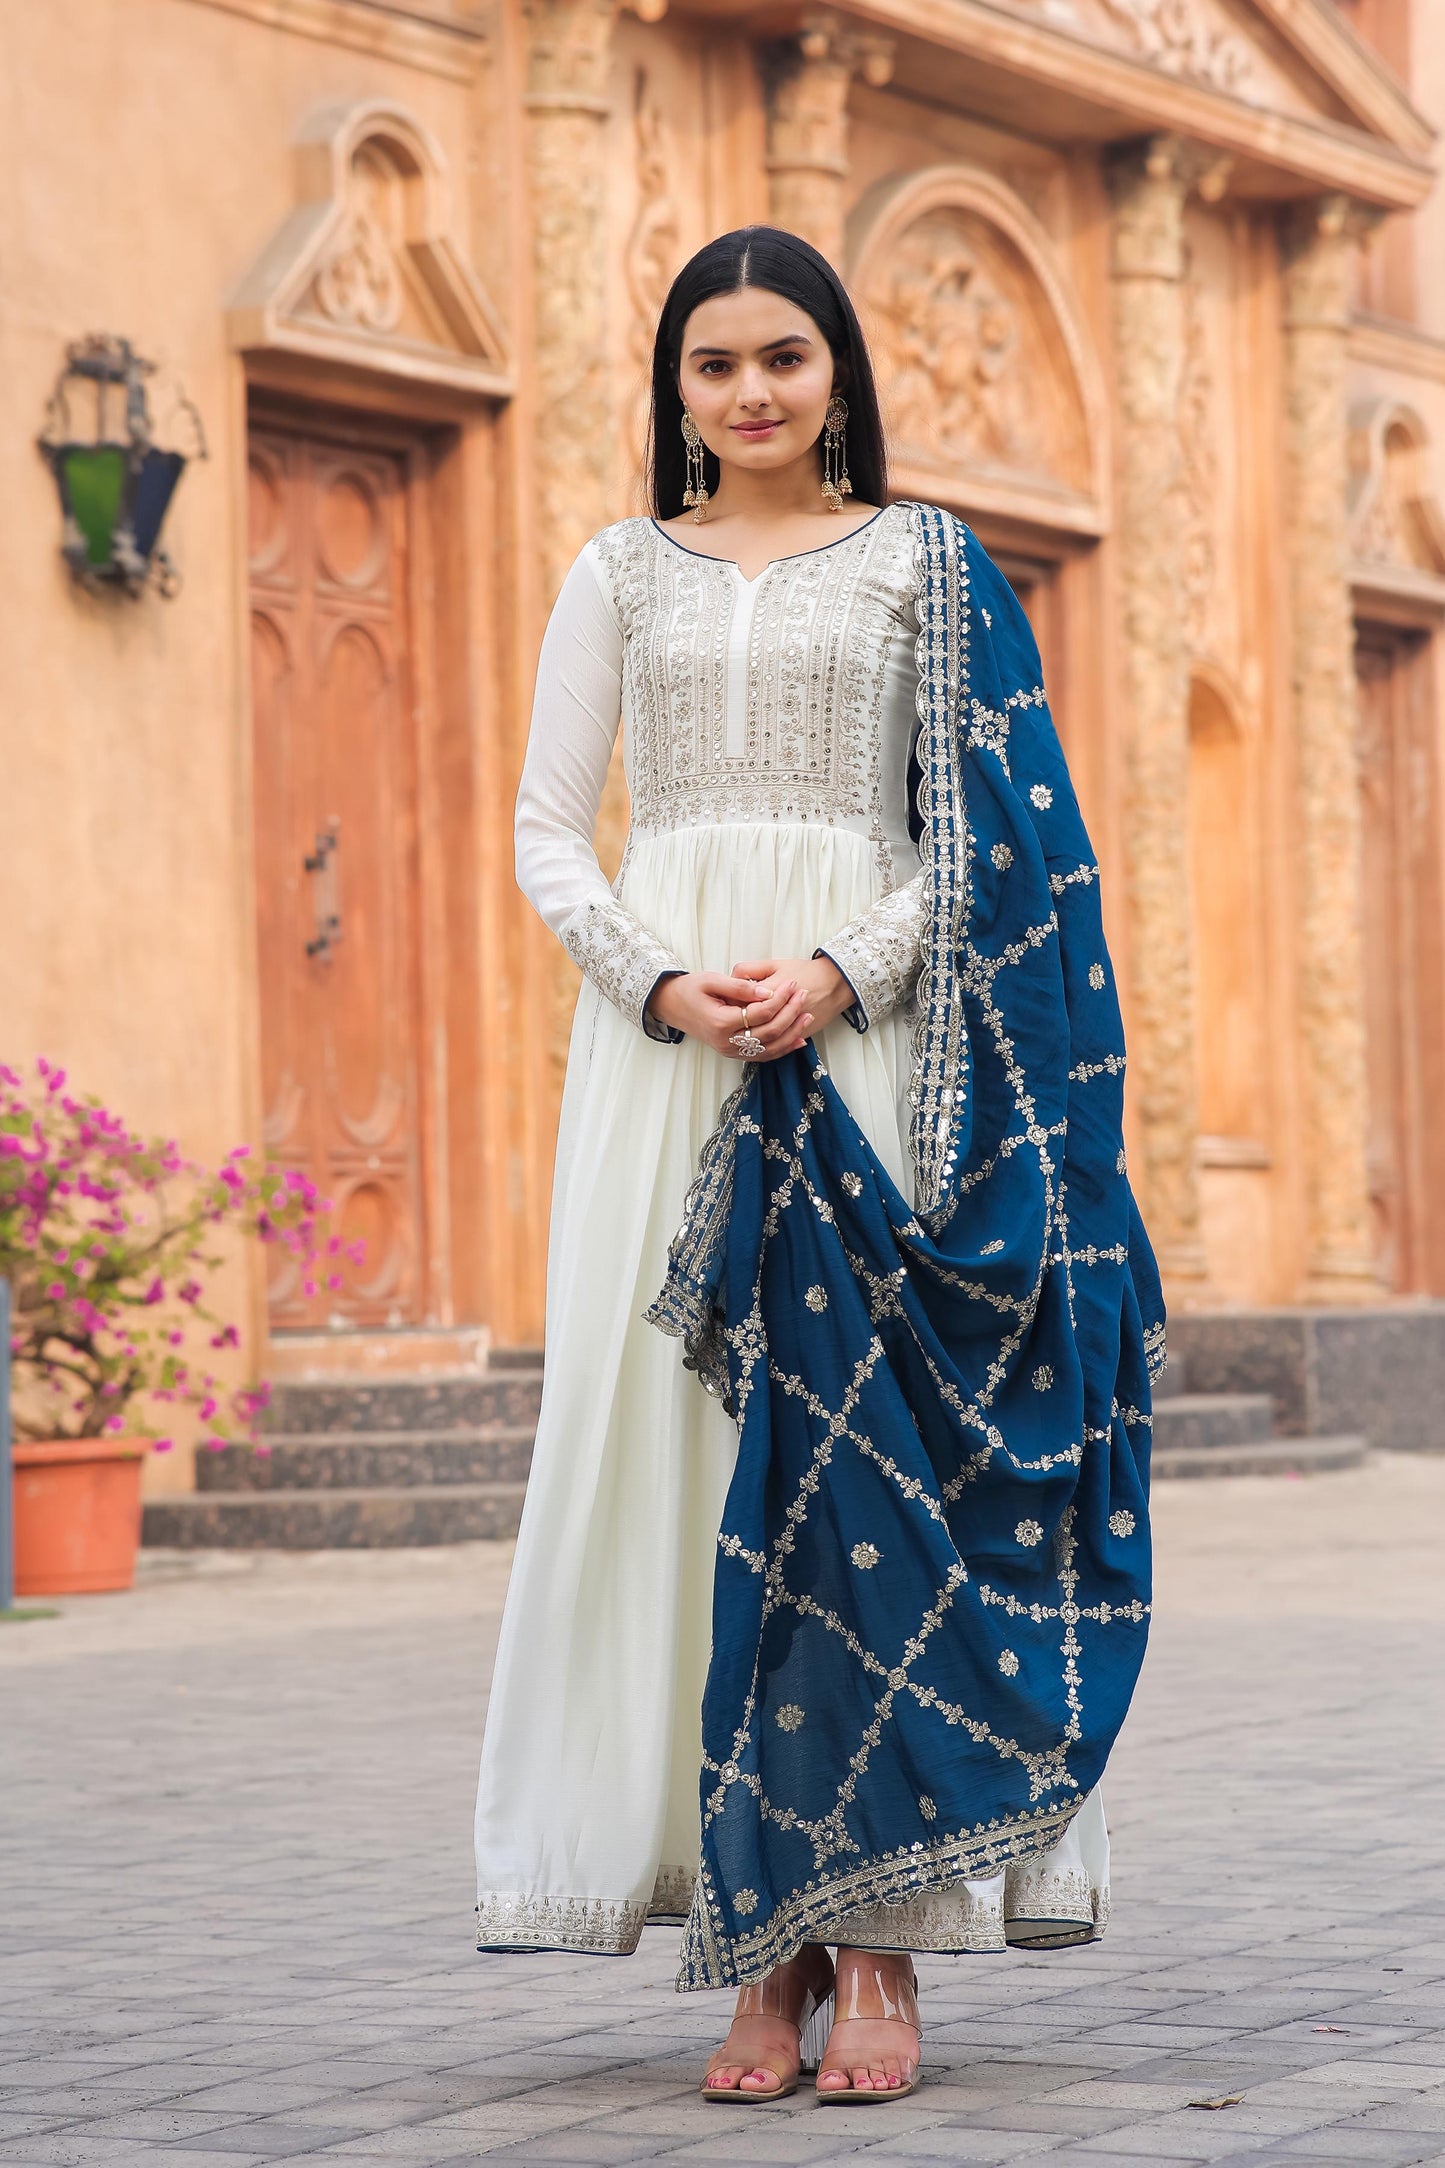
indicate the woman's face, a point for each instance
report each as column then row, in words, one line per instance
column 756, row 374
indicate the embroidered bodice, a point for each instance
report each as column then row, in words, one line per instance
column 790, row 697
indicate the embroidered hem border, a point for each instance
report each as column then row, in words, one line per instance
column 711, row 1958
column 592, row 1926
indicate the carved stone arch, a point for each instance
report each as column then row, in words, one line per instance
column 989, row 378
column 1224, row 845
column 1395, row 518
column 364, row 274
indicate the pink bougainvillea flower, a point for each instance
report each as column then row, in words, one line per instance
column 162, row 1445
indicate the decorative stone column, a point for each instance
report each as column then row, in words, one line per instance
column 566, row 101
column 1318, row 243
column 1150, row 183
column 806, row 80
column 568, row 50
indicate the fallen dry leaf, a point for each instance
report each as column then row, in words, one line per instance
column 1332, row 2028
column 1230, row 2100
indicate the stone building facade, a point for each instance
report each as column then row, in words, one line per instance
column 1154, row 291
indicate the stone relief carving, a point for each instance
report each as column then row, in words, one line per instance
column 1318, row 244
column 1198, row 440
column 1394, row 518
column 951, row 336
column 985, row 369
column 1150, row 186
column 653, row 247
column 1180, row 37
column 360, row 282
column 365, row 271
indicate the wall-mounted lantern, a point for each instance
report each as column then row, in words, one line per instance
column 115, row 481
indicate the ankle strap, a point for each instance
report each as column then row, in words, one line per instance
column 790, row 1991
column 876, row 1984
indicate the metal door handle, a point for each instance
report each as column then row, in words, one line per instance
column 325, row 899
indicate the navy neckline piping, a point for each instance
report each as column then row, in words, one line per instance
column 789, row 558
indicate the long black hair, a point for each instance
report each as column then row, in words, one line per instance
column 784, row 264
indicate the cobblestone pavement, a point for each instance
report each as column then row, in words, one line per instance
column 235, row 1817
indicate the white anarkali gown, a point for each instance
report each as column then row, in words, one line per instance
column 767, row 725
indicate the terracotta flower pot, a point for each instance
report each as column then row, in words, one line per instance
column 77, row 1515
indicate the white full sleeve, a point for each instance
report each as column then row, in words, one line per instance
column 576, row 710
column 881, row 952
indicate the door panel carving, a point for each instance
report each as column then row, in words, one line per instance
column 1405, row 972
column 336, row 856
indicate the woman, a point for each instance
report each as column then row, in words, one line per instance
column 849, row 1036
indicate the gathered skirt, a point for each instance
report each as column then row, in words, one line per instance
column 587, row 1821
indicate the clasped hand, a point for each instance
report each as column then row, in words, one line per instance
column 786, row 1003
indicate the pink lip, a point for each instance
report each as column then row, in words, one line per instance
column 755, row 429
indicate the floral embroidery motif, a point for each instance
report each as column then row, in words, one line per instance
column 991, row 1249
column 1122, row 1522
column 1028, row 1533
column 816, row 1298
column 879, row 952
column 804, row 745
column 927, row 1808
column 745, row 1902
column 1121, row 1164
column 865, row 1556
column 1043, row 1378
column 622, row 959
column 1096, row 976
column 1008, row 1663
column 790, row 1717
column 1002, row 856
column 1042, row 796
column 853, row 1183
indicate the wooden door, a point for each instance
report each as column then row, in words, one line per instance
column 336, row 794
column 1404, row 970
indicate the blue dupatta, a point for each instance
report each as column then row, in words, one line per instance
column 933, row 1576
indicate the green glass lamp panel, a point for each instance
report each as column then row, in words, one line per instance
column 95, row 478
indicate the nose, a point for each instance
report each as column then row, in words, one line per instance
column 754, row 390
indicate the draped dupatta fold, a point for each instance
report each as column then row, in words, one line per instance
column 933, row 1576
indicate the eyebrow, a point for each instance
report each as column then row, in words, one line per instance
column 794, row 338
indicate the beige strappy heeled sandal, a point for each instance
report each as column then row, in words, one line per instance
column 801, row 1994
column 870, row 1984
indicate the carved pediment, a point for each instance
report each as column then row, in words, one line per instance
column 1294, row 57
column 364, row 273
column 985, row 369
column 1397, row 533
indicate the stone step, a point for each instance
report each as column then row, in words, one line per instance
column 1209, row 1422
column 462, row 1400
column 334, row 1520
column 371, row 1460
column 1272, row 1456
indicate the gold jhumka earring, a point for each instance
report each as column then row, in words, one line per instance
column 696, row 491
column 836, row 485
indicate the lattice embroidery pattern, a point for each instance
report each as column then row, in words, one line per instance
column 940, row 1047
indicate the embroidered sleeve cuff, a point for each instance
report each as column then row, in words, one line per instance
column 879, row 953
column 623, row 960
